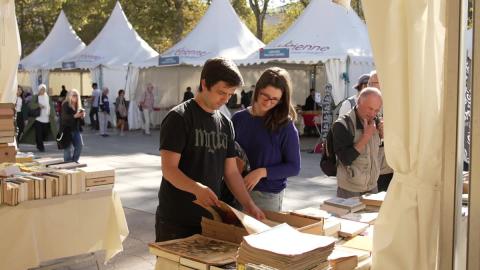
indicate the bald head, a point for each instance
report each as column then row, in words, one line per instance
column 369, row 103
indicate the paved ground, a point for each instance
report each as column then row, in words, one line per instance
column 138, row 175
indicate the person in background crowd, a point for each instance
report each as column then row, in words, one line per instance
column 197, row 150
column 41, row 124
column 146, row 104
column 19, row 112
column 356, row 142
column 188, row 94
column 121, row 110
column 94, row 101
column 350, row 102
column 246, row 97
column 63, row 93
column 104, row 108
column 232, row 102
column 310, row 104
column 72, row 118
column 267, row 134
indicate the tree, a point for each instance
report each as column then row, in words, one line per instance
column 245, row 13
column 161, row 23
column 259, row 8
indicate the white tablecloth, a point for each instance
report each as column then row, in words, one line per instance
column 43, row 230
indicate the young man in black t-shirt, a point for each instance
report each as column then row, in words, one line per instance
column 197, row 150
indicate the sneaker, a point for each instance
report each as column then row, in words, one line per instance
column 104, row 135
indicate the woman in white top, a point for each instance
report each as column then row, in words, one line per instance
column 41, row 125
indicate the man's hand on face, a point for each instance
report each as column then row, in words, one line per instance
column 369, row 128
column 380, row 129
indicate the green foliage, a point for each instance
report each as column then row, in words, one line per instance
column 154, row 20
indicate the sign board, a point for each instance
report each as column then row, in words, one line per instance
column 274, row 53
column 68, row 65
column 168, row 61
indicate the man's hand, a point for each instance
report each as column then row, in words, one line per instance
column 368, row 128
column 205, row 196
column 254, row 211
column 252, row 179
column 380, row 129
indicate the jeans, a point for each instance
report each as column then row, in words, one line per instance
column 165, row 231
column 103, row 119
column 94, row 117
column 147, row 114
column 267, row 200
column 41, row 134
column 77, row 144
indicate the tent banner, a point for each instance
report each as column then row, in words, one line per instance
column 274, row 53
column 168, row 61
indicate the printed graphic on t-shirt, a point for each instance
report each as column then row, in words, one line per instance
column 211, row 140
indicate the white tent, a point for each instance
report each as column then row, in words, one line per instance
column 62, row 42
column 9, row 51
column 109, row 54
column 325, row 33
column 219, row 33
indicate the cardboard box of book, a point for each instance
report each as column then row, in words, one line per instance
column 235, row 233
column 8, row 154
column 194, row 252
column 98, row 177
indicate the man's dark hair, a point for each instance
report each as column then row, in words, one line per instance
column 189, row 88
column 94, row 85
column 63, row 87
column 312, row 90
column 220, row 69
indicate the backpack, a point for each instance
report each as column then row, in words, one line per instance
column 336, row 110
column 328, row 162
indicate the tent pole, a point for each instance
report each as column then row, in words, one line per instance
column 81, row 82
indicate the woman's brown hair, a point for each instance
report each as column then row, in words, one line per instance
column 284, row 111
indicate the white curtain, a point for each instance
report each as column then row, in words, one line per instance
column 37, row 77
column 407, row 38
column 9, row 51
column 335, row 69
column 33, row 74
column 95, row 75
column 134, row 115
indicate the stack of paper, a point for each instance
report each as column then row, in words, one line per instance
column 283, row 247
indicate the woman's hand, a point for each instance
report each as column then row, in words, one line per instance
column 252, row 179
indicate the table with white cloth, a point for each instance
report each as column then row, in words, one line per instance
column 42, row 230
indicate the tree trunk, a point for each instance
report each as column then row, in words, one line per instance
column 259, row 12
column 179, row 23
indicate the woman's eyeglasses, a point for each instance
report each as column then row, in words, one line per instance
column 267, row 97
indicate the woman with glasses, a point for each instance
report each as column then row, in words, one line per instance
column 72, row 117
column 267, row 134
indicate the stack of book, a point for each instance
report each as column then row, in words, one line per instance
column 31, row 181
column 341, row 206
column 373, row 201
column 7, row 133
column 195, row 252
column 98, row 178
column 282, row 247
